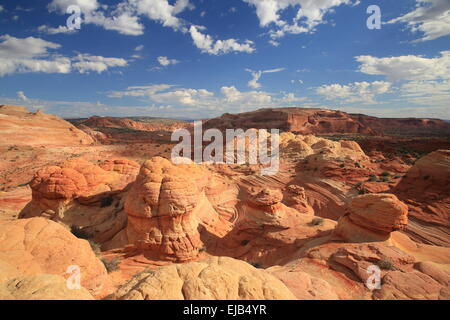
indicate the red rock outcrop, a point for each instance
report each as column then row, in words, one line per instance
column 324, row 121
column 20, row 127
column 297, row 199
column 165, row 207
column 145, row 124
column 403, row 125
column 299, row 120
column 372, row 217
column 83, row 195
column 346, row 270
column 425, row 190
column 267, row 230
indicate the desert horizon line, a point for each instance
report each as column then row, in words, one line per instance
column 187, row 119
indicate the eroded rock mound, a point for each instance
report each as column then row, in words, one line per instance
column 38, row 245
column 216, row 278
column 267, row 230
column 425, row 190
column 372, row 217
column 303, row 146
column 297, row 199
column 83, row 195
column 165, row 206
column 20, row 127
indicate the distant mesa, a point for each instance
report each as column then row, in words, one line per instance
column 324, row 121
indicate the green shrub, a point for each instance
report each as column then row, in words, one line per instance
column 386, row 264
column 316, row 222
column 96, row 247
column 111, row 265
column 363, row 191
column 385, row 174
column 80, row 233
column 145, row 271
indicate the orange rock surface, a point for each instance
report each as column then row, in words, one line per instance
column 20, row 127
column 40, row 246
column 372, row 217
column 425, row 190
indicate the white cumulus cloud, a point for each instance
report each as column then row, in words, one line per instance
column 165, row 61
column 216, row 47
column 24, row 55
column 85, row 63
column 309, row 14
column 409, row 67
column 229, row 99
column 364, row 92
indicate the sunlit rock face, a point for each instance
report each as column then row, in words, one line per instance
column 165, row 206
column 372, row 217
column 425, row 190
column 83, row 195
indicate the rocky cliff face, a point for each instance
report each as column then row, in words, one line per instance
column 134, row 124
column 321, row 121
column 425, row 189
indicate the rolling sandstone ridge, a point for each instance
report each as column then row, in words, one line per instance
column 20, row 127
column 216, row 231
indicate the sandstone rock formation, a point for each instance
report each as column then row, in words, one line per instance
column 425, row 190
column 297, row 199
column 302, row 233
column 141, row 124
column 372, row 217
column 165, row 206
column 300, row 120
column 38, row 245
column 303, row 146
column 267, row 230
column 303, row 285
column 324, row 121
column 345, row 270
column 405, row 126
column 216, row 278
column 398, row 285
column 20, row 127
column 83, row 195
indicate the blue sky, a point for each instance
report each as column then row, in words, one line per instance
column 202, row 58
